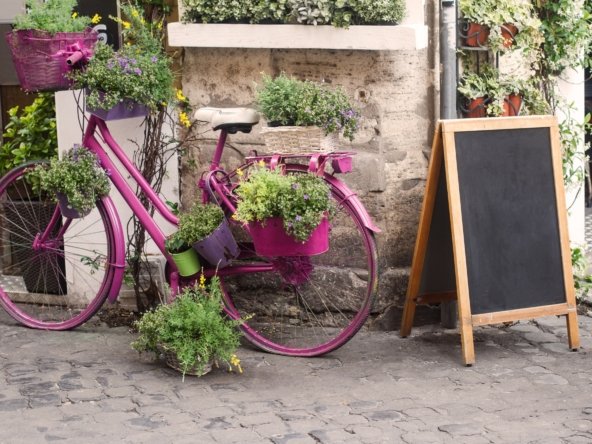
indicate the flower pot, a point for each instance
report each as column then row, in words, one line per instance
column 512, row 105
column 123, row 110
column 219, row 248
column 270, row 239
column 170, row 358
column 476, row 108
column 342, row 164
column 67, row 210
column 509, row 31
column 475, row 34
column 187, row 262
column 299, row 139
column 40, row 58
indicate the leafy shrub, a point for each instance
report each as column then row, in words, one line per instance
column 30, row 133
column 200, row 222
column 52, row 16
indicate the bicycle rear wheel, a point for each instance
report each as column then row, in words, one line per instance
column 58, row 283
column 310, row 305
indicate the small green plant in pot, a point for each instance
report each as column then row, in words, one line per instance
column 206, row 228
column 192, row 332
column 298, row 204
column 289, row 104
column 76, row 180
column 182, row 253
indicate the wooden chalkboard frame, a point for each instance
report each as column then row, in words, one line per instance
column 444, row 159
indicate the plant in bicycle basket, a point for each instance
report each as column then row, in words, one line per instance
column 77, row 176
column 286, row 101
column 52, row 16
column 192, row 332
column 138, row 72
column 302, row 201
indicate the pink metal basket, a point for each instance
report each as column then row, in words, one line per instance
column 40, row 58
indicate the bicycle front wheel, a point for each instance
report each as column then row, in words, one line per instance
column 55, row 281
column 308, row 305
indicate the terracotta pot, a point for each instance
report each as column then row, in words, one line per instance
column 509, row 31
column 512, row 105
column 476, row 108
column 475, row 34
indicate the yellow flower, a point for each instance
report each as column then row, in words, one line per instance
column 96, row 19
column 159, row 26
column 135, row 13
column 235, row 217
column 126, row 25
column 261, row 163
column 74, row 15
column 234, row 360
column 184, row 119
column 240, row 172
column 180, row 96
column 142, row 21
column 202, row 281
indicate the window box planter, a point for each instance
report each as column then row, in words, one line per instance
column 373, row 38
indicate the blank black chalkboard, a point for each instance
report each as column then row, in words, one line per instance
column 493, row 226
column 509, row 215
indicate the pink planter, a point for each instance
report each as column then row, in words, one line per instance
column 40, row 58
column 123, row 110
column 271, row 239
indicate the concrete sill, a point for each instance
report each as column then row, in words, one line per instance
column 371, row 38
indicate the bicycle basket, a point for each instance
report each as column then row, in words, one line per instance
column 40, row 57
column 299, row 139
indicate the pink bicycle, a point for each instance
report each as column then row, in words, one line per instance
column 56, row 272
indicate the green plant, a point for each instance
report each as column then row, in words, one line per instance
column 176, row 243
column 285, row 100
column 52, row 16
column 582, row 277
column 497, row 14
column 77, row 176
column 341, row 13
column 199, row 222
column 301, row 200
column 140, row 71
column 30, row 133
column 193, row 327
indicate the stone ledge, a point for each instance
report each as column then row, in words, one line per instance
column 371, row 38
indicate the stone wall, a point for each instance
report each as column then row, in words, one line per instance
column 395, row 93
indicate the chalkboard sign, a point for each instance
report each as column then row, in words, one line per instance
column 493, row 227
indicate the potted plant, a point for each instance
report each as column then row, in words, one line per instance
column 500, row 24
column 334, row 12
column 304, row 114
column 192, row 332
column 206, row 228
column 76, row 180
column 135, row 79
column 44, row 38
column 286, row 214
column 182, row 253
column 476, row 90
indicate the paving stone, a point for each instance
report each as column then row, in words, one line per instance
column 462, row 429
column 294, row 438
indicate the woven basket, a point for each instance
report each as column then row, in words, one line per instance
column 170, row 358
column 299, row 139
column 40, row 58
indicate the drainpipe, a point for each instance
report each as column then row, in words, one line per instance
column 448, row 69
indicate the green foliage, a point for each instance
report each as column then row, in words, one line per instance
column 341, row 13
column 176, row 243
column 77, row 176
column 30, row 133
column 193, row 327
column 199, row 222
column 581, row 274
column 52, row 16
column 287, row 101
column 140, row 70
column 301, row 200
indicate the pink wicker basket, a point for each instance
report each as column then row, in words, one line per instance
column 40, row 58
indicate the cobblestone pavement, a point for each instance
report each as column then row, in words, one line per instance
column 88, row 386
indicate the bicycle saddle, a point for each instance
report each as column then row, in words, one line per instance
column 229, row 119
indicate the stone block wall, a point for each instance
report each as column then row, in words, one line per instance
column 395, row 93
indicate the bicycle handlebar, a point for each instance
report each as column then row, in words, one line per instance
column 75, row 58
column 74, row 54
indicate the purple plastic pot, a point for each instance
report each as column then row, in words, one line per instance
column 67, row 211
column 271, row 239
column 123, row 110
column 219, row 248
